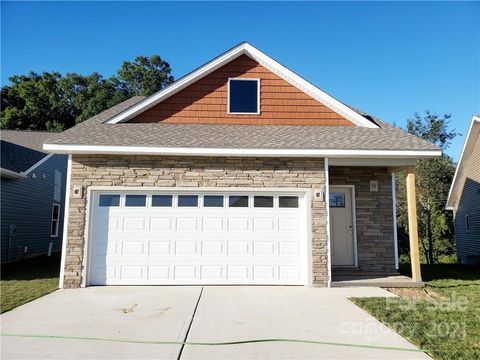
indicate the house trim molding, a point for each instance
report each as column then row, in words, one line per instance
column 181, row 151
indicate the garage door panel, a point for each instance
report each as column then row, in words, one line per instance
column 133, row 245
column 213, row 248
column 134, row 224
column 185, row 224
column 263, row 224
column 161, row 224
column 185, row 248
column 213, row 224
column 158, row 273
column 159, row 248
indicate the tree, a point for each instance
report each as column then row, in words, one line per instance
column 433, row 179
column 53, row 102
column 34, row 102
column 145, row 75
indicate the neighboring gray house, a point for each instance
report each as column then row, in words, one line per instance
column 464, row 197
column 32, row 195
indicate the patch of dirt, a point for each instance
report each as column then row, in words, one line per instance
column 414, row 293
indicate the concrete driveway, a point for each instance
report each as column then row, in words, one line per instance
column 208, row 314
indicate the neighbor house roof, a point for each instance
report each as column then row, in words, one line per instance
column 21, row 150
column 102, row 137
column 459, row 178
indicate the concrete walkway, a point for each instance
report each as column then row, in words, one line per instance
column 219, row 314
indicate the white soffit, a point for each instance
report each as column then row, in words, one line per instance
column 262, row 59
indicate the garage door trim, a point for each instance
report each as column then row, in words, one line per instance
column 92, row 190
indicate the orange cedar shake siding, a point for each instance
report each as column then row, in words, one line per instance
column 205, row 101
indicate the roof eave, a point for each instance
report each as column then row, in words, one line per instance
column 11, row 174
column 186, row 151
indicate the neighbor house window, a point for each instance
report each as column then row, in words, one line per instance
column 57, row 186
column 467, row 223
column 55, row 220
column 244, row 96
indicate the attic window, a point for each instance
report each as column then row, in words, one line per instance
column 243, row 96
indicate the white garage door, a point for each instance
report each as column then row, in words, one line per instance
column 155, row 238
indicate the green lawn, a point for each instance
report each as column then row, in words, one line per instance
column 447, row 324
column 27, row 280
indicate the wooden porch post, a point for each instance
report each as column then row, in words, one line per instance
column 413, row 224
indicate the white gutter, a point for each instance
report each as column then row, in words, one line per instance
column 11, row 174
column 180, row 151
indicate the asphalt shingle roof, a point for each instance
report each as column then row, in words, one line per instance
column 22, row 149
column 95, row 131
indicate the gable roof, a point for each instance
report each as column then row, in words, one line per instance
column 21, row 150
column 96, row 135
column 459, row 178
column 244, row 48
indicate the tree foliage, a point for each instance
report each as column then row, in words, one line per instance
column 55, row 102
column 144, row 76
column 433, row 179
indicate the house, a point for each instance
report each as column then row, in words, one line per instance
column 32, row 195
column 464, row 197
column 240, row 172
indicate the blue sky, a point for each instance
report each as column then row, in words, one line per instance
column 390, row 59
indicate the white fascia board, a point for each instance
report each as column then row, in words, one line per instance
column 11, row 174
column 458, row 178
column 264, row 60
column 101, row 149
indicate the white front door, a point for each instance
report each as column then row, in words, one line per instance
column 194, row 237
column 342, row 227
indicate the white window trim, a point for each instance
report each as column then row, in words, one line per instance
column 258, row 97
column 57, row 221
column 467, row 223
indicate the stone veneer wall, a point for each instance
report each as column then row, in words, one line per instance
column 374, row 215
column 114, row 170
